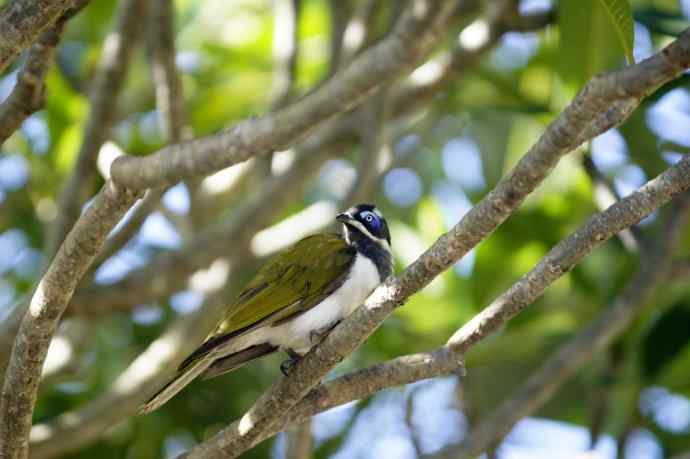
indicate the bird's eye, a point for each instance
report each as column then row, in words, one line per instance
column 371, row 220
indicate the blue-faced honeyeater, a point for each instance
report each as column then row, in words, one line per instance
column 294, row 300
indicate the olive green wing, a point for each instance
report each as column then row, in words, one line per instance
column 290, row 283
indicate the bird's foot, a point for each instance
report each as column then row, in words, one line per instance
column 318, row 335
column 287, row 366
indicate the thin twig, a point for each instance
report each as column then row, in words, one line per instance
column 28, row 94
column 605, row 195
column 75, row 429
column 325, row 139
column 561, row 259
column 170, row 105
column 300, row 441
column 374, row 146
column 561, row 136
column 167, row 84
column 286, row 15
column 414, row 36
column 105, row 89
column 577, row 351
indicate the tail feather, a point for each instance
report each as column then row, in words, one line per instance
column 175, row 385
column 237, row 360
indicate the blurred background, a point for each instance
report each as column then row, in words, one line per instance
column 436, row 150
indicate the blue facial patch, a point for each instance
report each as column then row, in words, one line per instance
column 371, row 220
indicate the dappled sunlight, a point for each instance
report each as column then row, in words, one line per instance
column 225, row 179
column 108, row 153
column 290, row 230
column 537, row 438
column 40, row 432
column 176, row 199
column 282, row 161
column 246, row 424
column 154, row 362
column 430, row 71
column 454, row 126
column 60, row 352
column 212, row 278
column 475, row 35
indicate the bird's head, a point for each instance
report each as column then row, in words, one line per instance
column 365, row 220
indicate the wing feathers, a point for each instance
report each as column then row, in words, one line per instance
column 175, row 385
column 287, row 285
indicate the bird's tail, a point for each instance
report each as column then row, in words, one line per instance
column 183, row 377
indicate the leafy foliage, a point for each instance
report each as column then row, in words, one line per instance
column 446, row 157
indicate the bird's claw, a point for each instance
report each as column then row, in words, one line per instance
column 287, row 366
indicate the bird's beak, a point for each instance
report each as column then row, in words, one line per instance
column 343, row 218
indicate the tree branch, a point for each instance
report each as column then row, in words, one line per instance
column 47, row 305
column 28, row 94
column 168, row 271
column 300, row 441
column 561, row 136
column 166, row 78
column 577, row 351
column 285, row 51
column 286, row 14
column 286, row 393
column 105, row 89
column 605, row 195
column 22, row 21
column 165, row 274
column 75, row 429
column 172, row 115
column 414, row 35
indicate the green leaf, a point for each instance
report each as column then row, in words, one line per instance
column 591, row 40
column 620, row 14
column 665, row 340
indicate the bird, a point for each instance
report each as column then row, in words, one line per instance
column 294, row 300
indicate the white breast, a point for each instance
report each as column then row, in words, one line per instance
column 363, row 279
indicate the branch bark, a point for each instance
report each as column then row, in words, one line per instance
column 561, row 136
column 171, row 111
column 22, row 21
column 167, row 273
column 604, row 195
column 48, row 303
column 28, row 94
column 75, row 429
column 414, row 35
column 300, row 441
column 168, row 270
column 287, row 393
column 105, row 89
column 571, row 356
